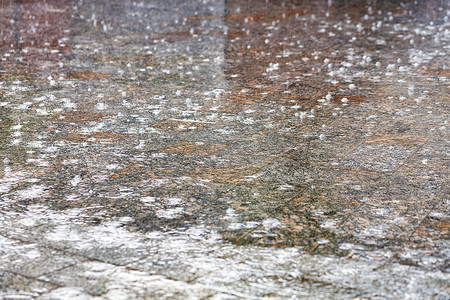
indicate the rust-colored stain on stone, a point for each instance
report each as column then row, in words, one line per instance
column 396, row 139
column 435, row 72
column 222, row 175
column 111, row 136
column 201, row 149
column 127, row 171
column 180, row 125
column 435, row 228
column 85, row 75
column 76, row 137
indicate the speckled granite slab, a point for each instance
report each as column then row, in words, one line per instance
column 224, row 149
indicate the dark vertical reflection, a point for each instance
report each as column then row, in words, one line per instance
column 39, row 32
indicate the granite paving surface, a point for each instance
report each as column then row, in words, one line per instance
column 224, row 149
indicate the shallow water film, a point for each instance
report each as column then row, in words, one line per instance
column 224, row 149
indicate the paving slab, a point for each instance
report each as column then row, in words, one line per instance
column 15, row 286
column 224, row 149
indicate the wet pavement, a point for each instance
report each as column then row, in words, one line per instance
column 224, row 149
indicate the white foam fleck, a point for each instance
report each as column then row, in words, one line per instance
column 10, row 179
column 235, row 226
column 33, row 254
column 101, row 106
column 285, row 187
column 271, row 223
column 76, row 180
column 42, row 111
column 174, row 200
column 323, row 241
column 67, row 293
column 64, row 233
column 112, row 166
column 230, row 214
column 148, row 199
column 328, row 224
column 170, row 213
column 35, row 191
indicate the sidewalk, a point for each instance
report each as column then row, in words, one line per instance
column 224, row 150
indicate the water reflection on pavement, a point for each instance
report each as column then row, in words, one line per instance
column 224, row 149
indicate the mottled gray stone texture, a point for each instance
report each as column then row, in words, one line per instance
column 212, row 149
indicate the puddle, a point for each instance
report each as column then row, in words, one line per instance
column 227, row 125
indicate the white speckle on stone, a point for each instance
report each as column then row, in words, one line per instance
column 174, row 201
column 76, row 180
column 285, row 187
column 148, row 199
column 101, row 106
column 170, row 213
column 35, row 191
column 271, row 223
